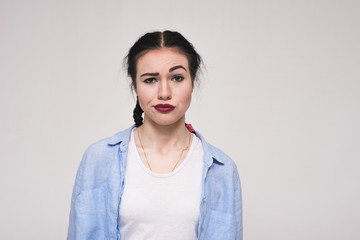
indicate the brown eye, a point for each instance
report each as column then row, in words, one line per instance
column 178, row 78
column 149, row 80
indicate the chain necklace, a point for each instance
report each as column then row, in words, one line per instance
column 176, row 163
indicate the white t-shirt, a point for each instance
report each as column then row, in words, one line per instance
column 161, row 206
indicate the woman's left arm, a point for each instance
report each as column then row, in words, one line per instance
column 238, row 206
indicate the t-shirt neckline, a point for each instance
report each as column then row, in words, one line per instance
column 161, row 175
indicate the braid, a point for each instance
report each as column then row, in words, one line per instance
column 137, row 114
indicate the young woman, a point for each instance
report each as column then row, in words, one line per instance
column 159, row 179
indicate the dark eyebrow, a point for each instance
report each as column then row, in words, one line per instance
column 176, row 67
column 150, row 74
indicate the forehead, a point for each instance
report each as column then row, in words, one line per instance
column 161, row 59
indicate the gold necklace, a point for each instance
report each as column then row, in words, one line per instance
column 176, row 163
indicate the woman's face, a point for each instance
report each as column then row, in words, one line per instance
column 164, row 86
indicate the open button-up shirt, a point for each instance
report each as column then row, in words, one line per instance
column 99, row 185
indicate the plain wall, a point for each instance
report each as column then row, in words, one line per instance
column 280, row 95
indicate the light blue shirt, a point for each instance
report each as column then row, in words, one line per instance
column 99, row 185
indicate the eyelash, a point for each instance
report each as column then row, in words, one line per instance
column 149, row 80
column 176, row 78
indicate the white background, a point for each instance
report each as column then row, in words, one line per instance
column 280, row 95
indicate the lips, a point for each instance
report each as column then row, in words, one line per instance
column 164, row 108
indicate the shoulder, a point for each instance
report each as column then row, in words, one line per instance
column 221, row 168
column 222, row 182
column 106, row 146
column 215, row 155
column 98, row 159
column 219, row 155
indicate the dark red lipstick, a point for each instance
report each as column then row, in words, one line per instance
column 164, row 108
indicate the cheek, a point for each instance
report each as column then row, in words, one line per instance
column 145, row 96
column 186, row 96
column 141, row 92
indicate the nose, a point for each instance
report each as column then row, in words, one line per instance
column 164, row 92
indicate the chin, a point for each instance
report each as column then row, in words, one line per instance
column 165, row 121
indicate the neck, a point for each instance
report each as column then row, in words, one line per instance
column 162, row 137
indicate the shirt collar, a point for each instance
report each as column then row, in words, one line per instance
column 211, row 154
column 121, row 138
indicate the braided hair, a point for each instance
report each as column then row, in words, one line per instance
column 137, row 114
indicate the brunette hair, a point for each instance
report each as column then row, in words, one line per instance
column 157, row 40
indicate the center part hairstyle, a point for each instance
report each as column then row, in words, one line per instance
column 157, row 40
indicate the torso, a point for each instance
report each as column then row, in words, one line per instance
column 161, row 206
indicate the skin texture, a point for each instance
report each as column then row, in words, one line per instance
column 163, row 77
column 168, row 87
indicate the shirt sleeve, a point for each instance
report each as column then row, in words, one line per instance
column 72, row 230
column 238, row 205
